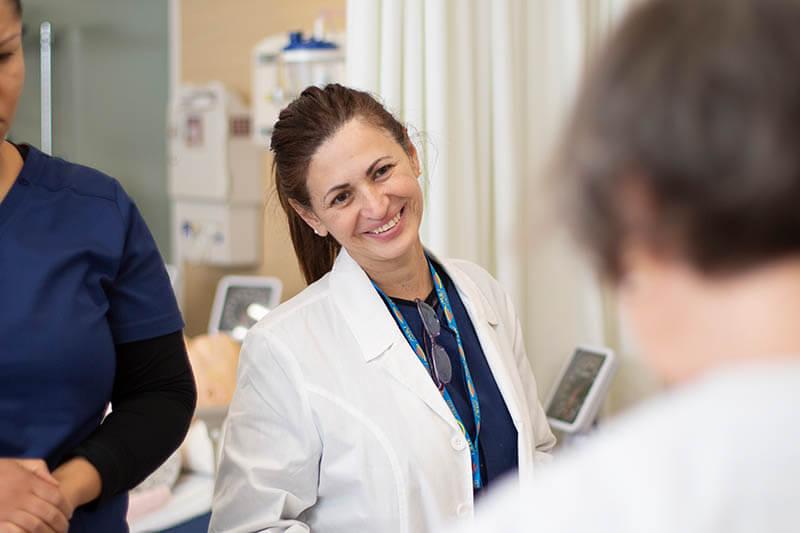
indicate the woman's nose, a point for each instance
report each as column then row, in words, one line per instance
column 375, row 203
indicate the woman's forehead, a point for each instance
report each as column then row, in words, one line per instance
column 351, row 150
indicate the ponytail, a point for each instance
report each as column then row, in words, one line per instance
column 315, row 253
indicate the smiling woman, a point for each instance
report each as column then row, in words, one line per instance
column 364, row 194
column 395, row 388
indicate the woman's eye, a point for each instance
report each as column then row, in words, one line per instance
column 382, row 171
column 5, row 56
column 340, row 198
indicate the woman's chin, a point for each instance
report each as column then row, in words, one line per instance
column 397, row 249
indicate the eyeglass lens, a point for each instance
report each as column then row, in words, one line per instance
column 429, row 319
column 440, row 361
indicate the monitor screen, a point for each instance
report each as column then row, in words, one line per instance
column 243, row 307
column 575, row 385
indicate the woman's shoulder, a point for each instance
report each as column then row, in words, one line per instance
column 461, row 269
column 305, row 305
column 306, row 332
column 491, row 292
column 56, row 174
column 475, row 272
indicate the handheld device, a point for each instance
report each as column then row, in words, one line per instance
column 581, row 389
column 241, row 301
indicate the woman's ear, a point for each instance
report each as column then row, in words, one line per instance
column 412, row 155
column 309, row 217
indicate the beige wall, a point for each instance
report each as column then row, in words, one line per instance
column 216, row 40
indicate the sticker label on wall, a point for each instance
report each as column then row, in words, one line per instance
column 194, row 131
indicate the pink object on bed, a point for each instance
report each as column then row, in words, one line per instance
column 147, row 501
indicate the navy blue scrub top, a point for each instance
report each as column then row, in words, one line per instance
column 497, row 443
column 79, row 273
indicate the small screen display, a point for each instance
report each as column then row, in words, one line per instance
column 575, row 386
column 244, row 306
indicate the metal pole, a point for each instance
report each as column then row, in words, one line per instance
column 45, row 41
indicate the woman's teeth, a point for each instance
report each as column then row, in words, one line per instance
column 389, row 225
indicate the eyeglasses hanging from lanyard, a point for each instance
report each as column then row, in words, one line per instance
column 442, row 370
column 441, row 294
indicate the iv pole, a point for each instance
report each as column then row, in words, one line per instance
column 45, row 41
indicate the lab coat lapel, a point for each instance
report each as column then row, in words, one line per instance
column 381, row 341
column 484, row 320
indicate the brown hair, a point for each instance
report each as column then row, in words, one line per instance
column 302, row 127
column 695, row 108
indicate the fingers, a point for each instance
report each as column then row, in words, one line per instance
column 48, row 513
column 8, row 527
column 31, row 500
column 38, row 467
column 30, row 524
column 52, row 496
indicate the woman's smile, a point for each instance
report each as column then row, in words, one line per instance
column 390, row 229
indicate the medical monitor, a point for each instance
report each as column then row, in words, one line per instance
column 581, row 389
column 241, row 301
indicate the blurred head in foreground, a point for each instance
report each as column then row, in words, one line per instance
column 681, row 169
column 681, row 172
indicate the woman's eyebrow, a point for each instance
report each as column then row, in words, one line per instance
column 375, row 163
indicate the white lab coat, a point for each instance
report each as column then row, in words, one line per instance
column 335, row 426
column 719, row 455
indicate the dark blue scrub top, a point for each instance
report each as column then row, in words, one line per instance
column 79, row 273
column 497, row 443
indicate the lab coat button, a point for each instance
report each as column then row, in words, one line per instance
column 458, row 443
column 464, row 509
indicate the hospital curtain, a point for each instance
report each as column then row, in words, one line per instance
column 484, row 85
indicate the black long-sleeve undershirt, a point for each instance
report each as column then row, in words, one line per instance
column 153, row 401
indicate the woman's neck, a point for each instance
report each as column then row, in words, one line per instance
column 10, row 167
column 407, row 278
column 746, row 317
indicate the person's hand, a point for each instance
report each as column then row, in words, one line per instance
column 79, row 481
column 30, row 498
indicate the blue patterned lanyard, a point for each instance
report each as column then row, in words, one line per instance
column 415, row 345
